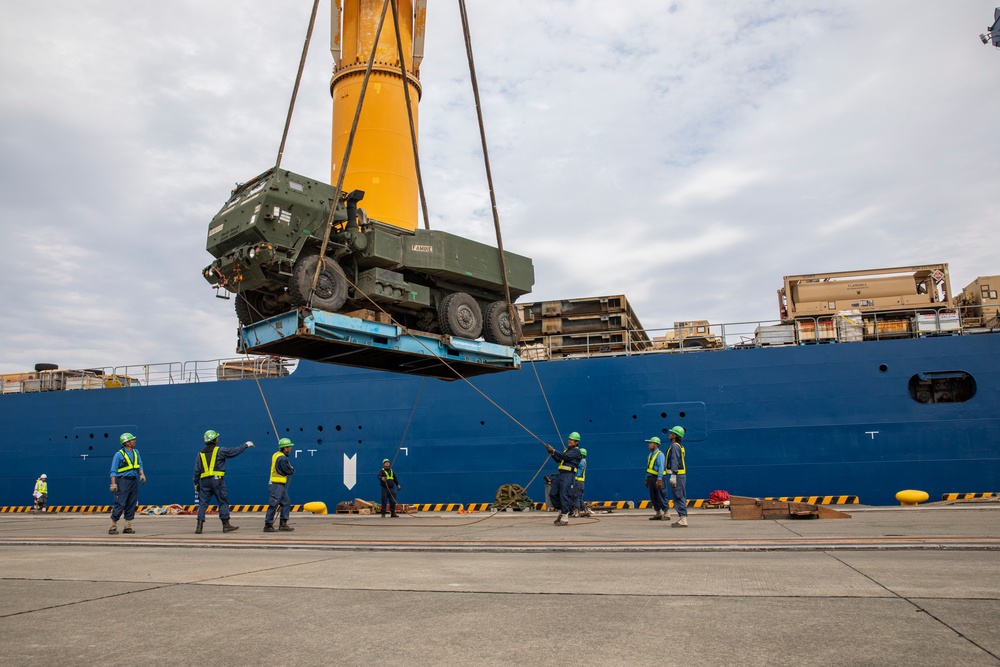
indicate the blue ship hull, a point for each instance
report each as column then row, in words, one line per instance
column 798, row 420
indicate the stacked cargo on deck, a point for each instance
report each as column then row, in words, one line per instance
column 584, row 327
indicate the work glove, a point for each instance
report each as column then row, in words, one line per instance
column 114, row 488
column 142, row 479
column 659, row 483
column 673, row 480
column 549, row 448
column 197, row 489
column 249, row 444
column 647, row 482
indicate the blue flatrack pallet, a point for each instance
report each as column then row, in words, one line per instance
column 329, row 338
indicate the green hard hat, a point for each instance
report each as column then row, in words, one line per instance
column 583, row 452
column 285, row 442
column 678, row 431
column 126, row 437
column 211, row 435
column 654, row 439
column 384, row 461
column 574, row 436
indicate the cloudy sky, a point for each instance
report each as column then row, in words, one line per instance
column 686, row 154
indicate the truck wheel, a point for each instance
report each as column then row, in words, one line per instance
column 46, row 367
column 331, row 288
column 247, row 306
column 459, row 315
column 496, row 325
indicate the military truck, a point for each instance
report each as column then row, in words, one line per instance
column 267, row 238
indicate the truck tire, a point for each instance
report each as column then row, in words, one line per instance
column 247, row 308
column 459, row 315
column 46, row 367
column 496, row 325
column 331, row 288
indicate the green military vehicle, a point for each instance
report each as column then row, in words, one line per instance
column 267, row 239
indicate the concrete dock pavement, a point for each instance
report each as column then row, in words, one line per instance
column 919, row 586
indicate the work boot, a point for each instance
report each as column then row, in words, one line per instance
column 128, row 528
column 393, row 516
column 113, row 530
column 561, row 521
column 269, row 528
column 197, row 531
column 658, row 516
column 383, row 514
column 682, row 522
column 283, row 525
column 228, row 527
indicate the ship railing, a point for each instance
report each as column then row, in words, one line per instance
column 838, row 328
column 145, row 375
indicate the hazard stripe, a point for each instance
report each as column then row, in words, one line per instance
column 477, row 507
column 439, row 507
column 819, row 500
column 967, row 496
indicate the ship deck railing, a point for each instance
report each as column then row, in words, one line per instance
column 826, row 329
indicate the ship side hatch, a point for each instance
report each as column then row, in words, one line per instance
column 942, row 387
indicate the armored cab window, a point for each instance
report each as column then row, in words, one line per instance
column 942, row 387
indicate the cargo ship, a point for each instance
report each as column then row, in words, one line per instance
column 770, row 409
column 863, row 384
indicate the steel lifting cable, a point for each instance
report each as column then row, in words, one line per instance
column 409, row 114
column 489, row 173
column 347, row 154
column 298, row 80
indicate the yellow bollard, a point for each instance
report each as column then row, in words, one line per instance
column 317, row 507
column 911, row 497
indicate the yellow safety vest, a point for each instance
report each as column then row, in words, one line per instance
column 129, row 464
column 209, row 467
column 583, row 477
column 275, row 477
column 389, row 476
column 683, row 470
column 650, row 461
column 43, row 487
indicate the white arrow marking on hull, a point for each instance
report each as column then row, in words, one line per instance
column 350, row 471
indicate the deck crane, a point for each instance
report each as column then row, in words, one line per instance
column 365, row 286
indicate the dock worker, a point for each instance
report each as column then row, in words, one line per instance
column 655, row 465
column 562, row 489
column 579, row 506
column 678, row 475
column 389, row 483
column 209, row 474
column 277, row 488
column 41, row 492
column 126, row 476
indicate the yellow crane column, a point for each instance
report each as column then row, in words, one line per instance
column 381, row 161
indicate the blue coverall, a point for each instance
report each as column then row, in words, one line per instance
column 127, row 498
column 562, row 486
column 657, row 496
column 277, row 492
column 210, row 487
column 675, row 462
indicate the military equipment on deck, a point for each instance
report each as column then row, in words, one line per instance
column 267, row 238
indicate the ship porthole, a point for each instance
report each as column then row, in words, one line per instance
column 883, row 368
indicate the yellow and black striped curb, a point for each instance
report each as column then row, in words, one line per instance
column 440, row 507
column 141, row 509
column 470, row 507
column 820, row 500
column 611, row 505
column 967, row 496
